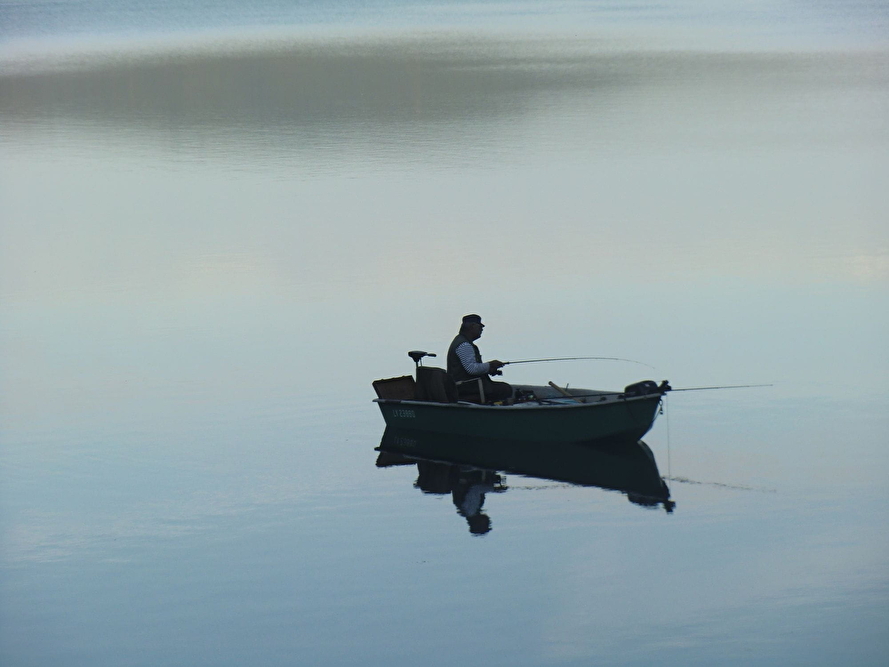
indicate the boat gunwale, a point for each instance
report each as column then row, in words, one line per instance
column 551, row 404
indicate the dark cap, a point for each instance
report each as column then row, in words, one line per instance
column 472, row 319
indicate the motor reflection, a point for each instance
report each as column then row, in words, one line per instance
column 470, row 468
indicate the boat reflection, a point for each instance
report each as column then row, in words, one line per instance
column 470, row 468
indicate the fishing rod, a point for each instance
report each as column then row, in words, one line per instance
column 726, row 386
column 536, row 361
column 663, row 390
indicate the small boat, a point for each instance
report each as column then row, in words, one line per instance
column 538, row 413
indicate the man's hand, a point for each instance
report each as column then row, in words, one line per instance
column 494, row 367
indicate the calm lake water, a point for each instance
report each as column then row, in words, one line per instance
column 220, row 223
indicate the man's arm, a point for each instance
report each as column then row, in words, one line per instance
column 466, row 355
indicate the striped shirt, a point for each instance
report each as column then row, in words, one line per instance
column 467, row 357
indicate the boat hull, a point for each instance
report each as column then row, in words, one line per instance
column 613, row 417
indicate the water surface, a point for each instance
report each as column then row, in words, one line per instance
column 209, row 249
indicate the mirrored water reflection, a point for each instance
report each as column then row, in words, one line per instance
column 208, row 251
column 469, row 468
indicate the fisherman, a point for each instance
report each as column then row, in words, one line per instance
column 466, row 367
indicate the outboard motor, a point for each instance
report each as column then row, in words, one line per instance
column 645, row 388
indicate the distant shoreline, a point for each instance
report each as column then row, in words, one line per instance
column 108, row 51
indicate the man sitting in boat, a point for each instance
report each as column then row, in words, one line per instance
column 466, row 367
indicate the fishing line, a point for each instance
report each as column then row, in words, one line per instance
column 727, row 386
column 669, row 457
column 536, row 361
column 546, row 487
column 723, row 485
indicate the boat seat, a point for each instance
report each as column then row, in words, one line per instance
column 480, row 386
column 434, row 384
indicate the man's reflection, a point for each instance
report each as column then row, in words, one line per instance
column 467, row 468
column 467, row 487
